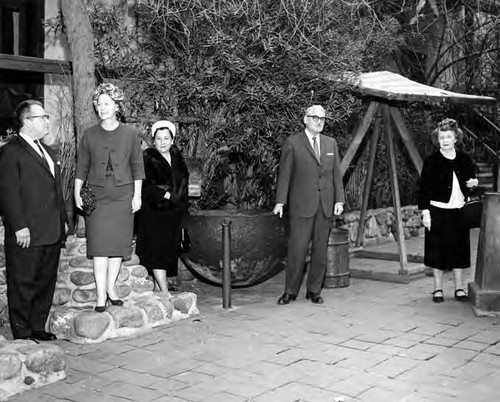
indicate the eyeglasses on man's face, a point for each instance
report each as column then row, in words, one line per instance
column 317, row 119
column 45, row 117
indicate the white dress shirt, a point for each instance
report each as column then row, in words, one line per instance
column 45, row 155
column 310, row 138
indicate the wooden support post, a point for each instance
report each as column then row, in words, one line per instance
column 358, row 137
column 368, row 181
column 406, row 137
column 403, row 260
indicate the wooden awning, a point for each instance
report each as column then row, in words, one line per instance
column 392, row 86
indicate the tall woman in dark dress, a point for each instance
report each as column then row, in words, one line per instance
column 110, row 160
column 165, row 201
column 446, row 180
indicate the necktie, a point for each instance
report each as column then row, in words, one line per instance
column 37, row 142
column 316, row 148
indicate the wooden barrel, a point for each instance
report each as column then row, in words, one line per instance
column 337, row 264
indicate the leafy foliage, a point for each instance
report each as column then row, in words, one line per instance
column 246, row 70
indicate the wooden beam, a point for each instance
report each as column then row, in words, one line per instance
column 368, row 182
column 358, row 137
column 34, row 64
column 407, row 139
column 403, row 259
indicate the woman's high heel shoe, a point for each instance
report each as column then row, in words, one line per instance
column 115, row 302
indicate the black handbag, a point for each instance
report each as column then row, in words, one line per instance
column 472, row 212
column 88, row 200
column 185, row 244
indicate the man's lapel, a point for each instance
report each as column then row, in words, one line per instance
column 35, row 155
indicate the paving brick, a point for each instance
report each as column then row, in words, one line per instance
column 362, row 360
column 471, row 345
column 490, row 337
column 422, row 351
column 463, row 331
column 473, row 372
column 393, row 366
column 298, row 392
column 374, row 336
column 61, row 390
column 493, row 349
column 357, row 344
column 487, row 358
column 95, row 397
column 88, row 366
column 441, row 340
column 128, row 376
column 401, row 342
column 129, row 391
column 192, row 377
column 167, row 386
column 387, row 349
column 430, row 329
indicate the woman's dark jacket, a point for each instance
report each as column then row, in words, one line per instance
column 159, row 220
column 162, row 177
column 436, row 179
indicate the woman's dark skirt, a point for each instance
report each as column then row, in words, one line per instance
column 110, row 226
column 447, row 244
column 158, row 239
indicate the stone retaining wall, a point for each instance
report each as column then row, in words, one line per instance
column 380, row 225
column 73, row 317
column 26, row 365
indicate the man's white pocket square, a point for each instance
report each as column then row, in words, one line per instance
column 329, row 154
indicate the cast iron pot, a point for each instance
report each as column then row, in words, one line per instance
column 258, row 246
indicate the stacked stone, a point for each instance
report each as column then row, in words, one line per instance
column 75, row 280
column 73, row 317
column 380, row 225
column 26, row 365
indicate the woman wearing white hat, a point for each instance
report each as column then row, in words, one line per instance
column 165, row 200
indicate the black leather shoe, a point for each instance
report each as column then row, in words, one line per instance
column 43, row 336
column 315, row 298
column 461, row 297
column 286, row 298
column 100, row 309
column 114, row 302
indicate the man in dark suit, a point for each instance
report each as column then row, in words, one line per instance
column 310, row 180
column 34, row 216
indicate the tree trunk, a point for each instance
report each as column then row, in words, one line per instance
column 81, row 43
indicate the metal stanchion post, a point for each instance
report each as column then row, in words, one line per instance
column 226, row 264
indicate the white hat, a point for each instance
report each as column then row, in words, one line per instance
column 163, row 124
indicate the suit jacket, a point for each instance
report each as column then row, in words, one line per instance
column 304, row 182
column 437, row 177
column 29, row 195
column 123, row 146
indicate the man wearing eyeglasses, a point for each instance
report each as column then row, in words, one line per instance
column 310, row 182
column 34, row 215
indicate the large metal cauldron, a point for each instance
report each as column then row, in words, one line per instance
column 258, row 246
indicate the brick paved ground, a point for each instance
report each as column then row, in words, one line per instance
column 371, row 342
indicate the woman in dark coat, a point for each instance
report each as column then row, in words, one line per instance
column 445, row 183
column 165, row 200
